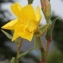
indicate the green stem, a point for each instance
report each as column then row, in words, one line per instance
column 42, row 53
column 18, row 52
column 42, row 60
column 47, row 49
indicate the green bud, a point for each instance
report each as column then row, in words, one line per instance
column 30, row 1
column 46, row 8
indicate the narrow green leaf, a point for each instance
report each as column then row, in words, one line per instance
column 23, row 54
column 12, row 60
column 7, row 34
column 49, row 32
column 42, row 30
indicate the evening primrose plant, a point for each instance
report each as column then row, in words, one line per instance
column 27, row 26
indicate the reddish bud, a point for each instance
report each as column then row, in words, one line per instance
column 46, row 7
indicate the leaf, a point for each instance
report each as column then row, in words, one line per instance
column 23, row 54
column 12, row 60
column 42, row 30
column 49, row 32
column 7, row 34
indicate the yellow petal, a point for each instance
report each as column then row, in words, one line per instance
column 15, row 36
column 19, row 31
column 18, row 28
column 38, row 14
column 16, row 9
column 26, row 35
column 10, row 25
column 28, row 12
column 31, row 26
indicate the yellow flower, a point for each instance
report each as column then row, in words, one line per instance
column 27, row 21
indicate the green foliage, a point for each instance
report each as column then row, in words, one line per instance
column 25, row 53
column 12, row 60
column 57, row 33
column 7, row 34
column 49, row 31
column 56, row 57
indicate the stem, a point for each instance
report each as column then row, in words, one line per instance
column 42, row 60
column 47, row 49
column 18, row 52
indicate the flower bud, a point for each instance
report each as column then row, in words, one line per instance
column 30, row 1
column 46, row 7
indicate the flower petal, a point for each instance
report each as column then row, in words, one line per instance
column 15, row 36
column 26, row 35
column 16, row 9
column 18, row 29
column 37, row 13
column 28, row 12
column 10, row 25
column 31, row 26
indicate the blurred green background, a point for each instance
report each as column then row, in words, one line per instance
column 6, row 52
